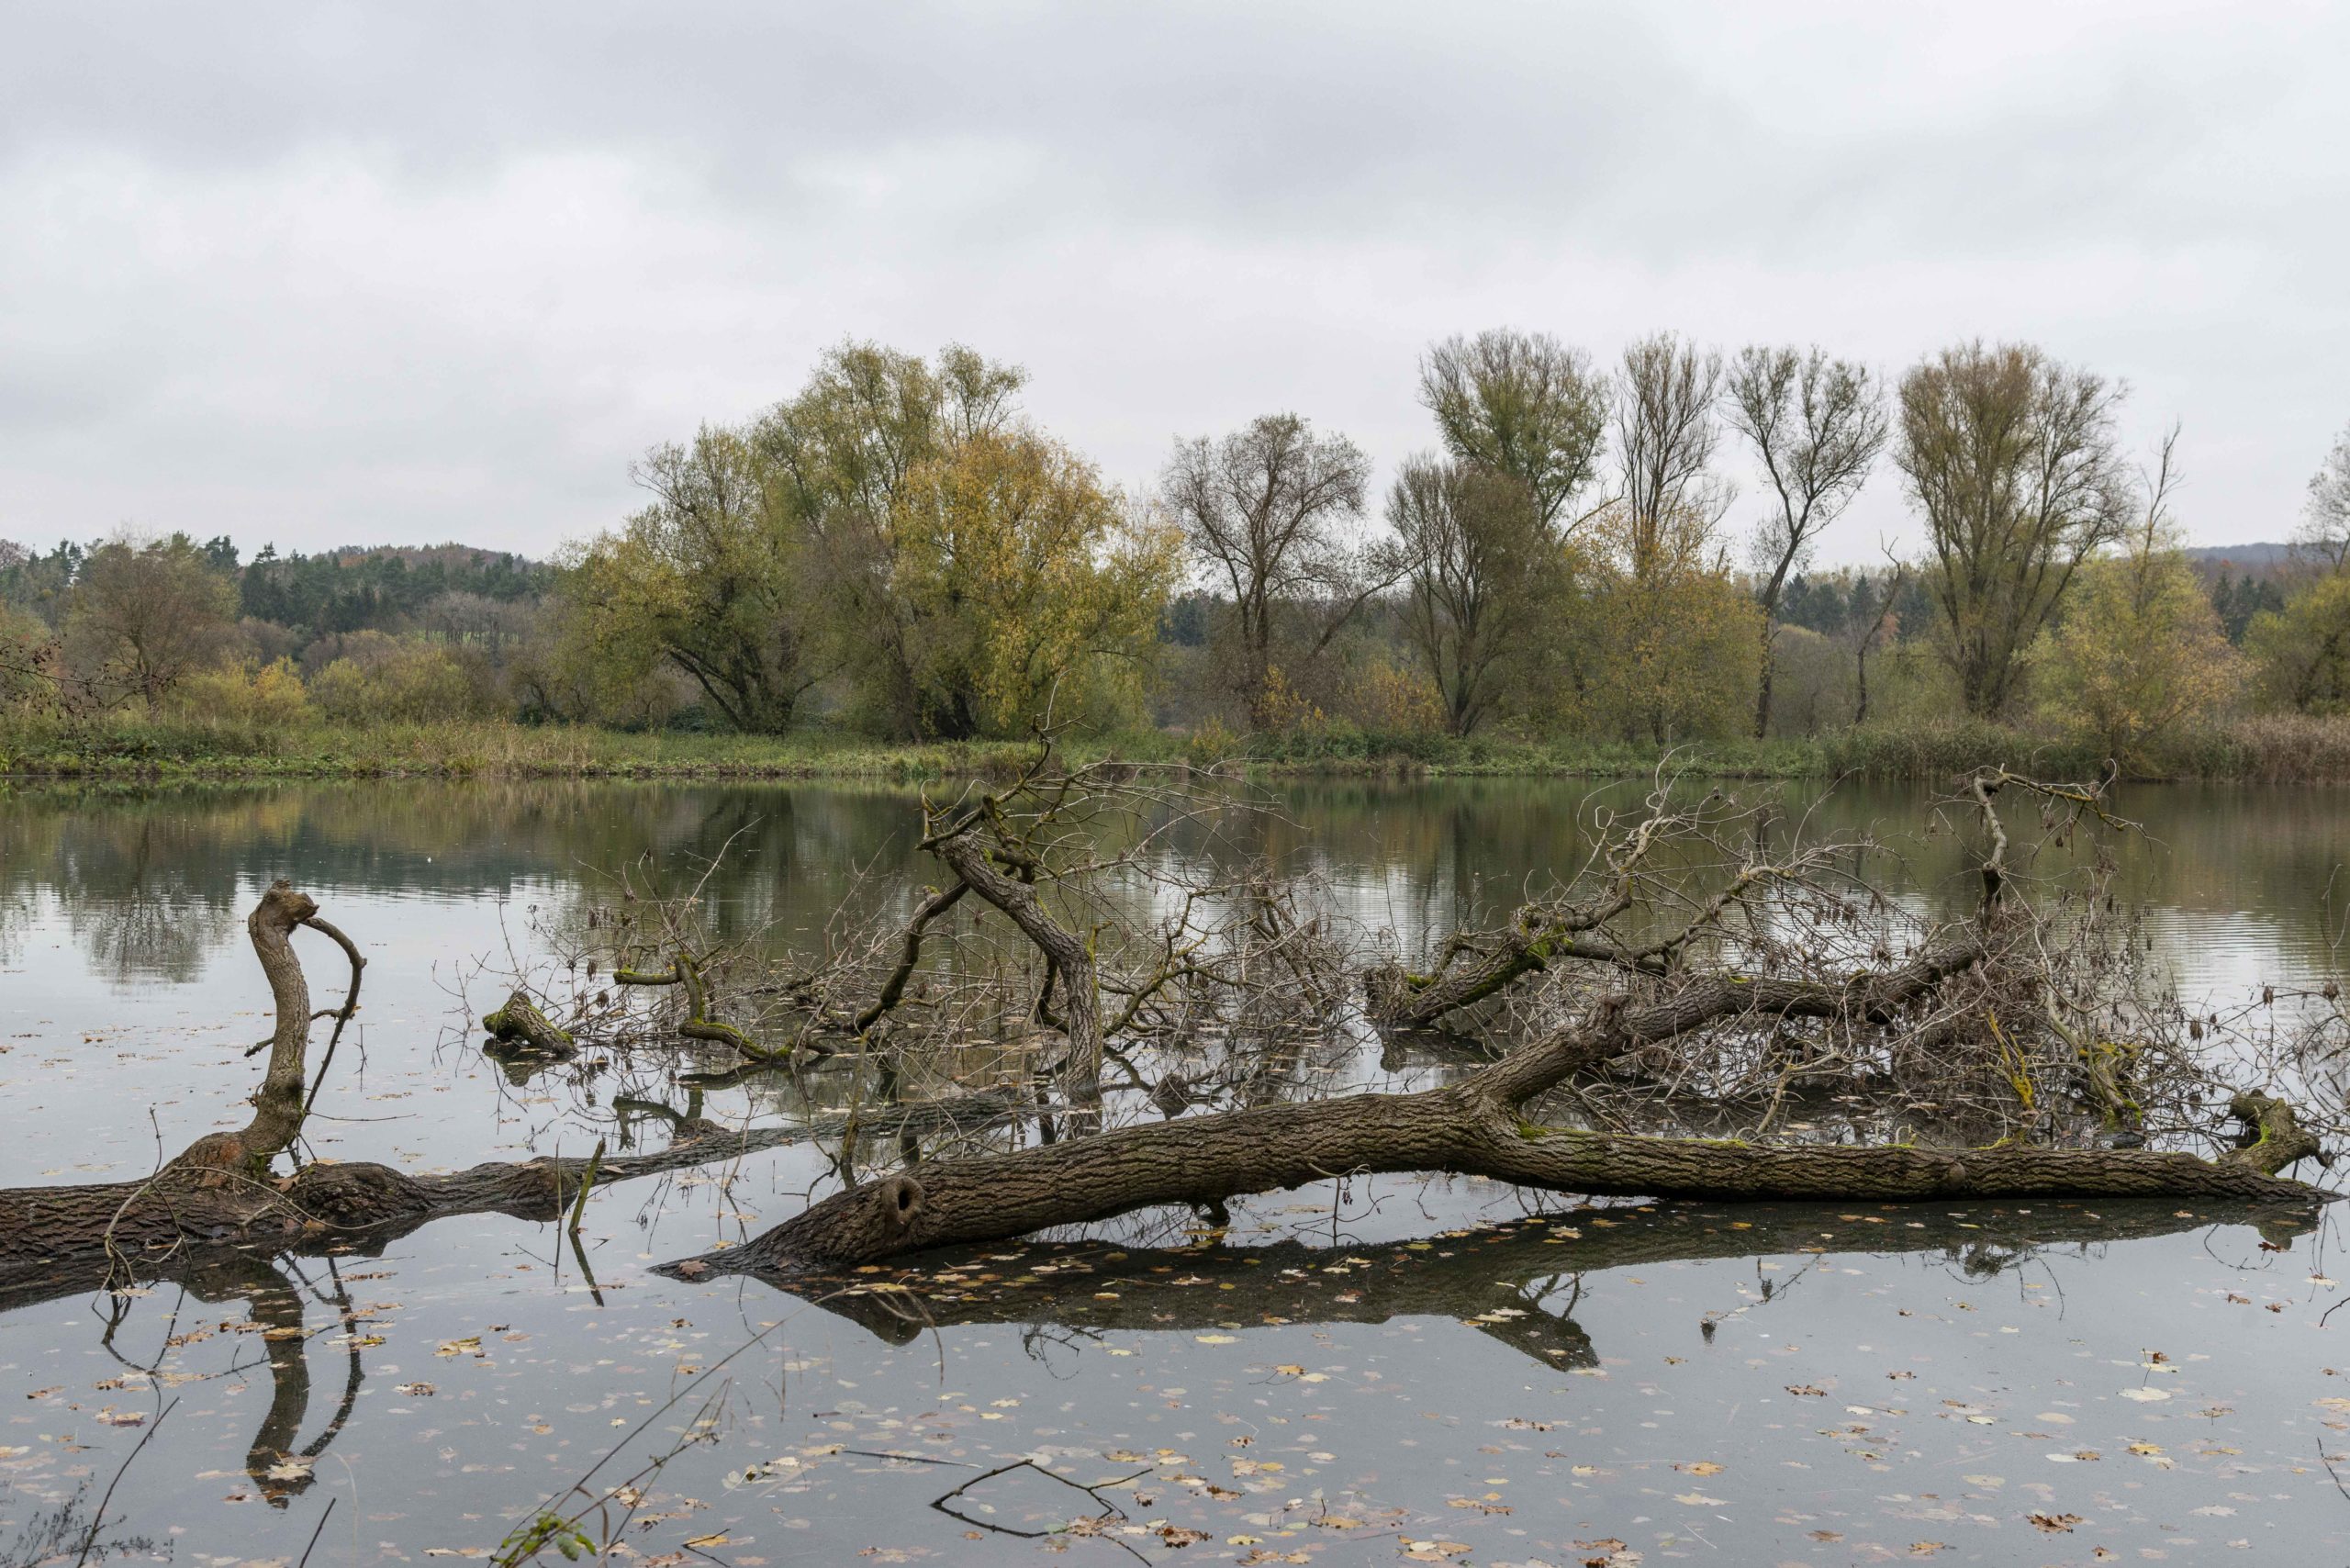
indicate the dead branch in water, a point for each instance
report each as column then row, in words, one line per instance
column 221, row 1188
column 1785, row 949
column 1079, row 975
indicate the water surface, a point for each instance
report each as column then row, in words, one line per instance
column 1365, row 1371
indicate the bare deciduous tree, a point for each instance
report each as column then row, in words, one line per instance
column 1523, row 404
column 1817, row 425
column 1476, row 553
column 1875, row 626
column 2324, row 535
column 2013, row 460
column 1268, row 510
column 1665, row 435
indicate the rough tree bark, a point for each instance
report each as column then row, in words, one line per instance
column 1477, row 1126
column 195, row 1202
column 279, row 1103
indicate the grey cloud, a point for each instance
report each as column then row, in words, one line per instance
column 322, row 272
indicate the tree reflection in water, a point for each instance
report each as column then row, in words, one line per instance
column 1067, row 1291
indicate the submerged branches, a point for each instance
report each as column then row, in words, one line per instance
column 1673, row 880
column 1103, row 1008
column 1070, row 946
column 1703, row 962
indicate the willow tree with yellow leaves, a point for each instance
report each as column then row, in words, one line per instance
column 1022, row 585
column 1666, row 643
column 2140, row 653
column 895, row 534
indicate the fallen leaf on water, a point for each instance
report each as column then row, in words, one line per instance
column 1700, row 1467
column 2054, row 1524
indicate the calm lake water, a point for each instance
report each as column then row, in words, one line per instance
column 1372, row 1372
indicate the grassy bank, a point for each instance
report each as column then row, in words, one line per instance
column 2269, row 750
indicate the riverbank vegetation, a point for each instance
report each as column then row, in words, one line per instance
column 2262, row 748
column 894, row 571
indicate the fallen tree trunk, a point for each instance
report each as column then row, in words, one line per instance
column 1204, row 1160
column 183, row 1203
column 1476, row 1127
column 337, row 1201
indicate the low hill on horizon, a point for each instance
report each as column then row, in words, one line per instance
column 2260, row 556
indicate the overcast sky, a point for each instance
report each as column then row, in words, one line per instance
column 403, row 273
